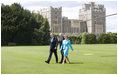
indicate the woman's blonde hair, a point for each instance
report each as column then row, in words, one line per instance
column 66, row 35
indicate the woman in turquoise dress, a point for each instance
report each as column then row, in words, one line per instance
column 65, row 45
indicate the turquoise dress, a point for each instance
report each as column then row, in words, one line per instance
column 65, row 45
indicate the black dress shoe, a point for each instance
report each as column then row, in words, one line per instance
column 56, row 62
column 60, row 62
column 47, row 62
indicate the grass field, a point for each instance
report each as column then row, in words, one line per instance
column 85, row 59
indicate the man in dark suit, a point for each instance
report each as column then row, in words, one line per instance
column 61, row 38
column 53, row 48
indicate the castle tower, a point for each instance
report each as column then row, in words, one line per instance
column 54, row 16
column 94, row 15
column 66, row 25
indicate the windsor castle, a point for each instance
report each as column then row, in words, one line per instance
column 91, row 20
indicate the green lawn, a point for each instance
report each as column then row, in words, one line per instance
column 85, row 59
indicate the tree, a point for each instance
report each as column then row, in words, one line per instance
column 115, row 38
column 91, row 39
column 84, row 36
column 44, row 32
column 16, row 25
column 112, row 37
column 104, row 38
column 41, row 32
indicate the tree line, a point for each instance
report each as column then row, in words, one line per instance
column 22, row 27
column 84, row 38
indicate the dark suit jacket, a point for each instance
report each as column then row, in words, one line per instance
column 60, row 41
column 53, row 44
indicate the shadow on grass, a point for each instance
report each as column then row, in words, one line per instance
column 70, row 63
column 110, row 56
column 76, row 63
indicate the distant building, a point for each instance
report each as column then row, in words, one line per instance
column 91, row 20
column 94, row 16
column 54, row 16
column 66, row 25
column 78, row 26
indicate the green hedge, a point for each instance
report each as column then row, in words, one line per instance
column 109, row 38
column 91, row 39
column 75, row 39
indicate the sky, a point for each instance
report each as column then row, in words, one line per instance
column 70, row 9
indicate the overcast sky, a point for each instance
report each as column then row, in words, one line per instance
column 70, row 9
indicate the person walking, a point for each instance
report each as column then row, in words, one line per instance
column 61, row 38
column 53, row 48
column 65, row 45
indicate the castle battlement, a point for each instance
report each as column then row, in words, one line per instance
column 88, row 19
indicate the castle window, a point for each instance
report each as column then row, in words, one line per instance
column 95, row 22
column 56, row 17
column 55, row 12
